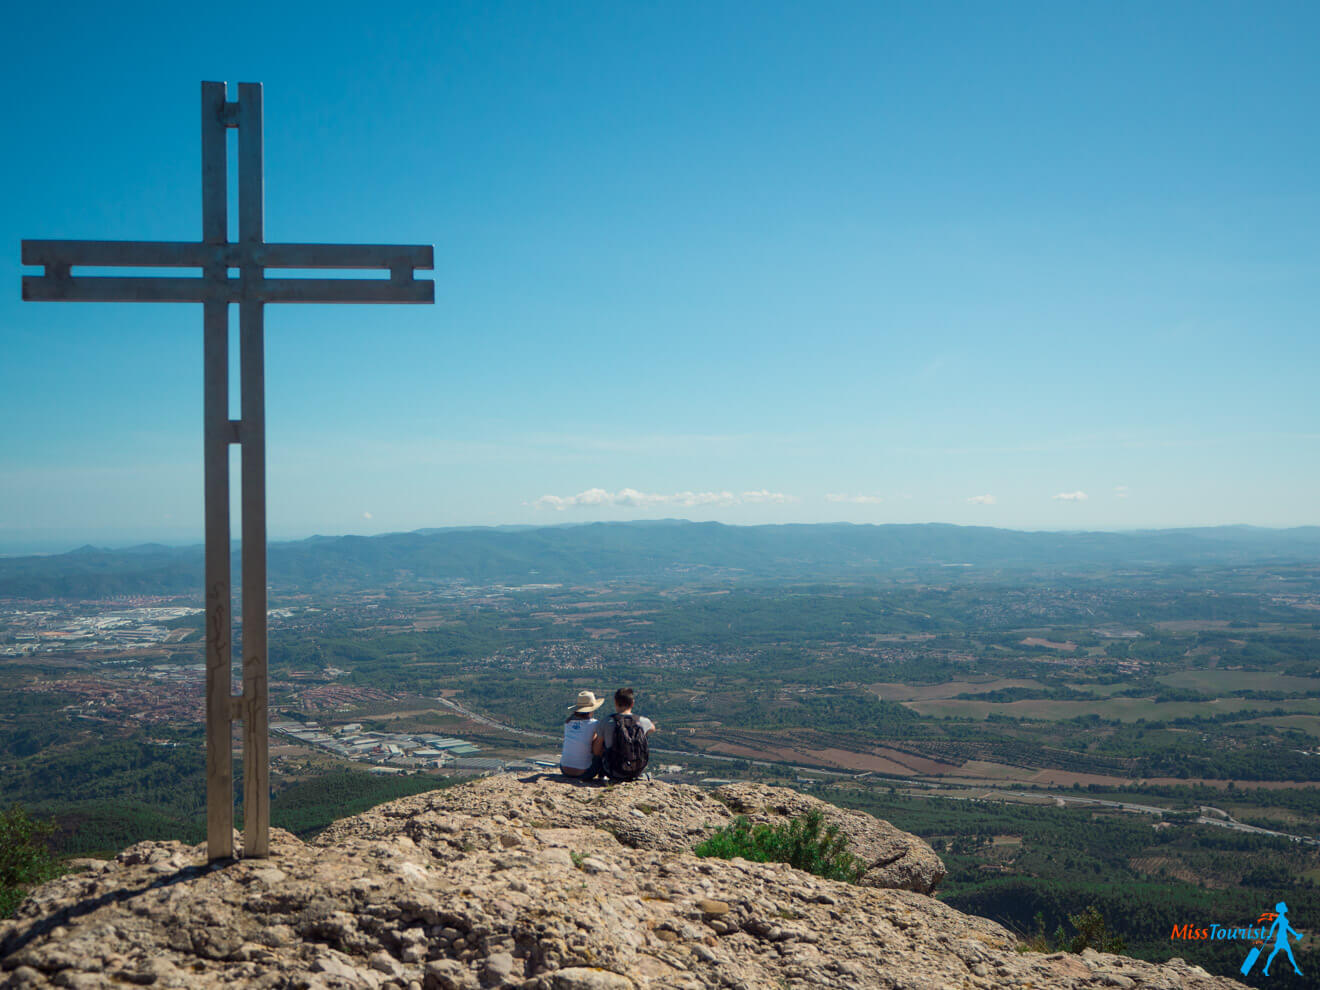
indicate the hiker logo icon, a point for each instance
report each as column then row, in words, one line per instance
column 1279, row 931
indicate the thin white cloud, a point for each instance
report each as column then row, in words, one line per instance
column 1120, row 491
column 1071, row 497
column 855, row 499
column 982, row 500
column 366, row 515
column 632, row 498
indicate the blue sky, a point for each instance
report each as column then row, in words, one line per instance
column 747, row 262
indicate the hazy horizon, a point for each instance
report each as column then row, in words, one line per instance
column 50, row 544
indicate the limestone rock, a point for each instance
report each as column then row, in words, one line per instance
column 430, row 893
column 648, row 814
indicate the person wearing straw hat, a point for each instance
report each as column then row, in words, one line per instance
column 576, row 759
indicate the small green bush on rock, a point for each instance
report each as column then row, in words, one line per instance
column 806, row 843
column 1090, row 931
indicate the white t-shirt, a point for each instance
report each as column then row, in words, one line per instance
column 577, row 743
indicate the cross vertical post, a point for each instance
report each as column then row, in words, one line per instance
column 215, row 254
column 216, row 437
column 252, row 372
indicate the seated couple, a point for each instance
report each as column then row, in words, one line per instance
column 615, row 747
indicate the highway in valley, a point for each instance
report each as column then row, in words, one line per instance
column 1209, row 816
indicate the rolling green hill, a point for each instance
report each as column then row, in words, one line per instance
column 668, row 550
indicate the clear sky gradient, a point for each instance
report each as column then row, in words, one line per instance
column 751, row 262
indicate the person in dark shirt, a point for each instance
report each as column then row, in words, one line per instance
column 623, row 708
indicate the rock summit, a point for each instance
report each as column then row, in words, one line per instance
column 540, row 884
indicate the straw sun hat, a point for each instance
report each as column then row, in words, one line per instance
column 587, row 702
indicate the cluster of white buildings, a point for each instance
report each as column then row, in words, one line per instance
column 419, row 751
column 27, row 632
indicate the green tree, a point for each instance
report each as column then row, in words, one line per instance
column 1093, row 933
column 1090, row 931
column 25, row 858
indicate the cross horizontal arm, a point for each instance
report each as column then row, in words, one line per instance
column 184, row 254
column 97, row 288
column 59, row 285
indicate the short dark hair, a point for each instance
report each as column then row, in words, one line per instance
column 624, row 697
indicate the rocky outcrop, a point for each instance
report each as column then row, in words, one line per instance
column 545, row 885
column 646, row 815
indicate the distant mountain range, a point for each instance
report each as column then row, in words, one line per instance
column 665, row 550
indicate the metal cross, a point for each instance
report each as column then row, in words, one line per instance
column 214, row 255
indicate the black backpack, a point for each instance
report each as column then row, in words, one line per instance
column 627, row 758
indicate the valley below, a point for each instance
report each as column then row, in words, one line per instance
column 1144, row 739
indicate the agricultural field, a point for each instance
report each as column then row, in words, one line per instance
column 1117, row 709
column 1217, row 681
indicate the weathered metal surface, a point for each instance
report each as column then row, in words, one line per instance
column 252, row 362
column 215, row 255
column 185, row 254
column 113, row 288
column 215, row 442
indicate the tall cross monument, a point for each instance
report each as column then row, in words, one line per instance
column 212, row 258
